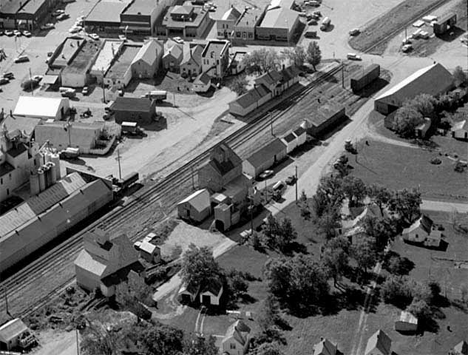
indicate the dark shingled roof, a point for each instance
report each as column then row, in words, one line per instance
column 289, row 138
column 20, row 149
column 253, row 96
column 270, row 78
column 270, row 150
column 132, row 104
column 299, row 131
column 6, row 168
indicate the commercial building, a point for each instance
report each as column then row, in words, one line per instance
column 186, row 21
column 139, row 17
column 146, row 63
column 264, row 158
column 24, row 14
column 45, row 108
column 60, row 135
column 134, row 109
column 77, row 73
column 251, row 100
column 278, row 24
column 195, row 207
column 245, row 27
column 106, row 57
column 104, row 17
column 215, row 58
column 225, row 25
column 119, row 74
column 42, row 218
column 433, row 80
column 15, row 335
column 105, row 262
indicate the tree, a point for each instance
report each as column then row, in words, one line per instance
column 97, row 340
column 297, row 55
column 379, row 195
column 420, row 309
column 354, row 189
column 199, row 267
column 236, row 284
column 314, row 54
column 335, row 257
column 268, row 315
column 131, row 296
column 198, row 345
column 380, row 229
column 239, row 85
column 329, row 195
column 459, row 76
column 406, row 204
column 395, row 290
column 328, row 222
column 269, row 349
column 261, row 60
column 424, row 104
column 407, row 119
column 364, row 252
column 30, row 84
column 278, row 234
column 156, row 338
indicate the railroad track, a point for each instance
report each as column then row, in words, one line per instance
column 149, row 198
column 409, row 22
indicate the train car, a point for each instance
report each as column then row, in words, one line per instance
column 369, row 74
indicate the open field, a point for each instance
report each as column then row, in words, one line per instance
column 371, row 37
column 400, row 167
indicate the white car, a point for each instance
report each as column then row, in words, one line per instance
column 17, row 33
column 122, row 38
column 354, row 32
column 27, row 34
column 353, row 56
column 93, row 36
column 47, row 26
column 75, row 29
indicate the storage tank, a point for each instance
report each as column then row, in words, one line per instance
column 42, row 183
column 34, row 182
column 53, row 173
column 56, row 160
column 46, row 169
column 48, row 157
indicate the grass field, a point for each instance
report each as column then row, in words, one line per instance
column 396, row 18
column 400, row 167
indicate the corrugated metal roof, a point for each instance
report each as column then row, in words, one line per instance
column 38, row 106
column 23, row 213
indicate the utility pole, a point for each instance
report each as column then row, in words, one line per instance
column 103, row 89
column 193, row 181
column 174, row 99
column 342, row 74
column 266, row 192
column 118, row 160
column 251, row 214
column 77, row 342
column 271, row 123
column 297, row 180
column 30, row 80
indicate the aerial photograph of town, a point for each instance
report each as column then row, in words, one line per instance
column 234, row 177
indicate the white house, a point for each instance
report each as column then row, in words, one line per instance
column 406, row 323
column 195, row 207
column 379, row 344
column 215, row 58
column 460, row 130
column 202, row 83
column 211, row 294
column 419, row 230
column 237, row 338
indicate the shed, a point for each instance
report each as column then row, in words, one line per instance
column 202, row 83
column 149, row 251
column 379, row 344
column 195, row 207
column 211, row 293
column 406, row 323
column 188, row 294
column 444, row 24
column 460, row 130
column 301, row 135
column 290, row 141
column 264, row 158
column 15, row 335
column 423, row 129
column 42, row 107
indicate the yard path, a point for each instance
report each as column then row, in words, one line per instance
column 444, row 206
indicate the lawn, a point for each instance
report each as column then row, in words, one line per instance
column 400, row 167
column 405, row 13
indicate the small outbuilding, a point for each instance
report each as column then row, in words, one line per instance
column 423, row 129
column 290, row 141
column 15, row 335
column 211, row 294
column 460, row 130
column 264, row 158
column 325, row 347
column 444, row 24
column 379, row 344
column 188, row 293
column 46, row 108
column 301, row 135
column 195, row 207
column 407, row 323
column 134, row 109
column 149, row 252
column 202, row 83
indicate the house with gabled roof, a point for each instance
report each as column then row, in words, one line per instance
column 105, row 262
column 271, row 80
column 195, row 207
column 148, row 59
column 379, row 344
column 250, row 101
column 202, row 83
column 191, row 62
column 325, row 347
column 264, row 158
column 188, row 293
column 211, row 293
column 460, row 130
column 460, row 349
column 14, row 335
column 173, row 55
column 419, row 230
column 225, row 25
column 236, row 340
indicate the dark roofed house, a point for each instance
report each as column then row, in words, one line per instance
column 379, row 344
column 211, row 293
column 223, row 167
column 264, row 158
column 419, row 230
column 271, row 80
column 134, row 109
column 250, row 101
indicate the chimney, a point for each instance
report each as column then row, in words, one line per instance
column 11, row 113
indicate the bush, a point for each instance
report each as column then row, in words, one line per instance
column 395, row 290
column 459, row 167
column 436, row 161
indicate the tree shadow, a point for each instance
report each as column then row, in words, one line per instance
column 395, row 264
column 247, row 299
column 295, row 248
column 351, row 299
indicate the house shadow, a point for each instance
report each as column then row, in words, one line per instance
column 156, row 126
column 283, row 164
column 207, row 94
column 452, row 34
column 329, row 28
column 350, row 298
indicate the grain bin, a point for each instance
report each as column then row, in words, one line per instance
column 42, row 183
column 34, row 182
column 56, row 161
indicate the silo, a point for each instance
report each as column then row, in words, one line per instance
column 53, row 173
column 46, row 169
column 42, row 184
column 34, row 182
column 56, row 161
column 48, row 157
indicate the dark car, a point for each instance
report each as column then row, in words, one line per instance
column 9, row 75
column 291, row 180
column 4, row 81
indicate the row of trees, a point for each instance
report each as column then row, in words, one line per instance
column 262, row 60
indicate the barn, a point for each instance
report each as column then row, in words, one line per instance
column 264, row 158
column 195, row 207
column 433, row 80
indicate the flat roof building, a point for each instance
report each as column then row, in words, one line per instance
column 185, row 21
column 120, row 72
column 42, row 107
column 105, row 16
column 279, row 24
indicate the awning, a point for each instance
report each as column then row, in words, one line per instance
column 135, row 28
column 49, row 79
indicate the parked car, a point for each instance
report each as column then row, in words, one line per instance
column 47, row 26
column 21, row 59
column 17, row 33
column 58, row 12
column 291, row 180
column 9, row 33
column 9, row 75
column 1, row 33
column 317, row 13
column 406, row 48
column 4, row 81
column 354, row 32
column 266, row 174
column 353, row 56
column 75, row 29
column 62, row 17
column 122, row 38
column 37, row 77
column 85, row 90
column 93, row 36
column 27, row 34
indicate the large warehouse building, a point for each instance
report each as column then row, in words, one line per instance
column 39, row 220
column 433, row 80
